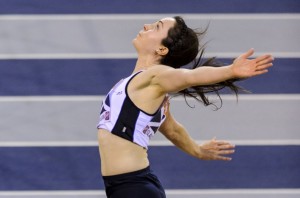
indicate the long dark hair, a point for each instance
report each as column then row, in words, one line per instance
column 183, row 45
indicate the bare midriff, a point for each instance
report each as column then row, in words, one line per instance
column 120, row 156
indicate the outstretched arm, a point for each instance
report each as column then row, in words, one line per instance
column 174, row 80
column 177, row 134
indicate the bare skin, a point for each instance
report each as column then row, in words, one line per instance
column 148, row 90
column 119, row 155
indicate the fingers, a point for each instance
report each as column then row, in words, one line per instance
column 260, row 72
column 216, row 150
column 260, row 60
column 264, row 61
column 263, row 65
column 223, row 158
column 264, row 58
column 166, row 105
column 226, row 152
column 223, row 144
column 226, row 146
column 246, row 55
column 226, row 149
column 223, row 148
column 220, row 155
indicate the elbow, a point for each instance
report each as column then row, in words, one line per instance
column 190, row 81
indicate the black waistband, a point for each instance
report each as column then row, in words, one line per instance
column 124, row 175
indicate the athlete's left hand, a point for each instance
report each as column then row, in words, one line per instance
column 243, row 67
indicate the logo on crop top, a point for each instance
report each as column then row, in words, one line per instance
column 105, row 109
column 119, row 93
column 154, row 124
column 148, row 131
column 105, row 116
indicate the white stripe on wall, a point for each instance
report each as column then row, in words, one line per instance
column 256, row 119
column 37, row 37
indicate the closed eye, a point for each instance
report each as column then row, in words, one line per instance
column 160, row 22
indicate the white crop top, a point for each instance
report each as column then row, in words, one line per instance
column 122, row 117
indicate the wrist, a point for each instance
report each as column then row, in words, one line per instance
column 231, row 73
column 198, row 153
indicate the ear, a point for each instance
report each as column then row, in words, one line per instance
column 162, row 51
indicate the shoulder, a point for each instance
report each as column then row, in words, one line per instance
column 165, row 79
column 170, row 79
column 157, row 69
column 153, row 71
column 145, row 77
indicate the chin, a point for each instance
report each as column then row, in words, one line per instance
column 135, row 44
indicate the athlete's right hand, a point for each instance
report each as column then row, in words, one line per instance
column 215, row 150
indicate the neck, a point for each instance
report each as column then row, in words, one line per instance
column 144, row 62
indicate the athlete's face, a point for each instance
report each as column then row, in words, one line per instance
column 150, row 37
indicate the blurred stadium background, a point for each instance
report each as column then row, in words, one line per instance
column 59, row 57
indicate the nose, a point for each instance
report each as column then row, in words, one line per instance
column 146, row 27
